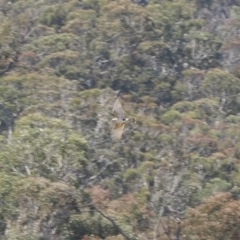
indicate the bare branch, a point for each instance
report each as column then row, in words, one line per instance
column 178, row 233
column 113, row 222
column 158, row 223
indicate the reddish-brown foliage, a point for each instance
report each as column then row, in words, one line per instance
column 217, row 218
column 100, row 196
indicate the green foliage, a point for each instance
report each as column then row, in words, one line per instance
column 59, row 59
column 183, row 106
column 56, row 42
column 218, row 82
column 151, row 47
column 144, row 195
column 171, row 116
column 54, row 16
column 8, row 195
column 175, row 64
column 235, row 12
column 131, row 174
column 90, row 93
column 86, row 224
column 80, row 14
column 213, row 186
column 47, row 148
column 165, row 139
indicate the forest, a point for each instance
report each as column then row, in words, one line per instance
column 175, row 175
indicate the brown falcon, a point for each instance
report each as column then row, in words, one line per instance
column 119, row 119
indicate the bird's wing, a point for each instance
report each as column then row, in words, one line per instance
column 118, row 110
column 118, row 130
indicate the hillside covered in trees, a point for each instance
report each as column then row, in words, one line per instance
column 175, row 175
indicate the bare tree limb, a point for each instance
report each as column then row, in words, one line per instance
column 178, row 233
column 158, row 223
column 113, row 222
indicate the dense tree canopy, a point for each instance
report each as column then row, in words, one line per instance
column 175, row 174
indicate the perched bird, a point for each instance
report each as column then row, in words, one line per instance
column 119, row 119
